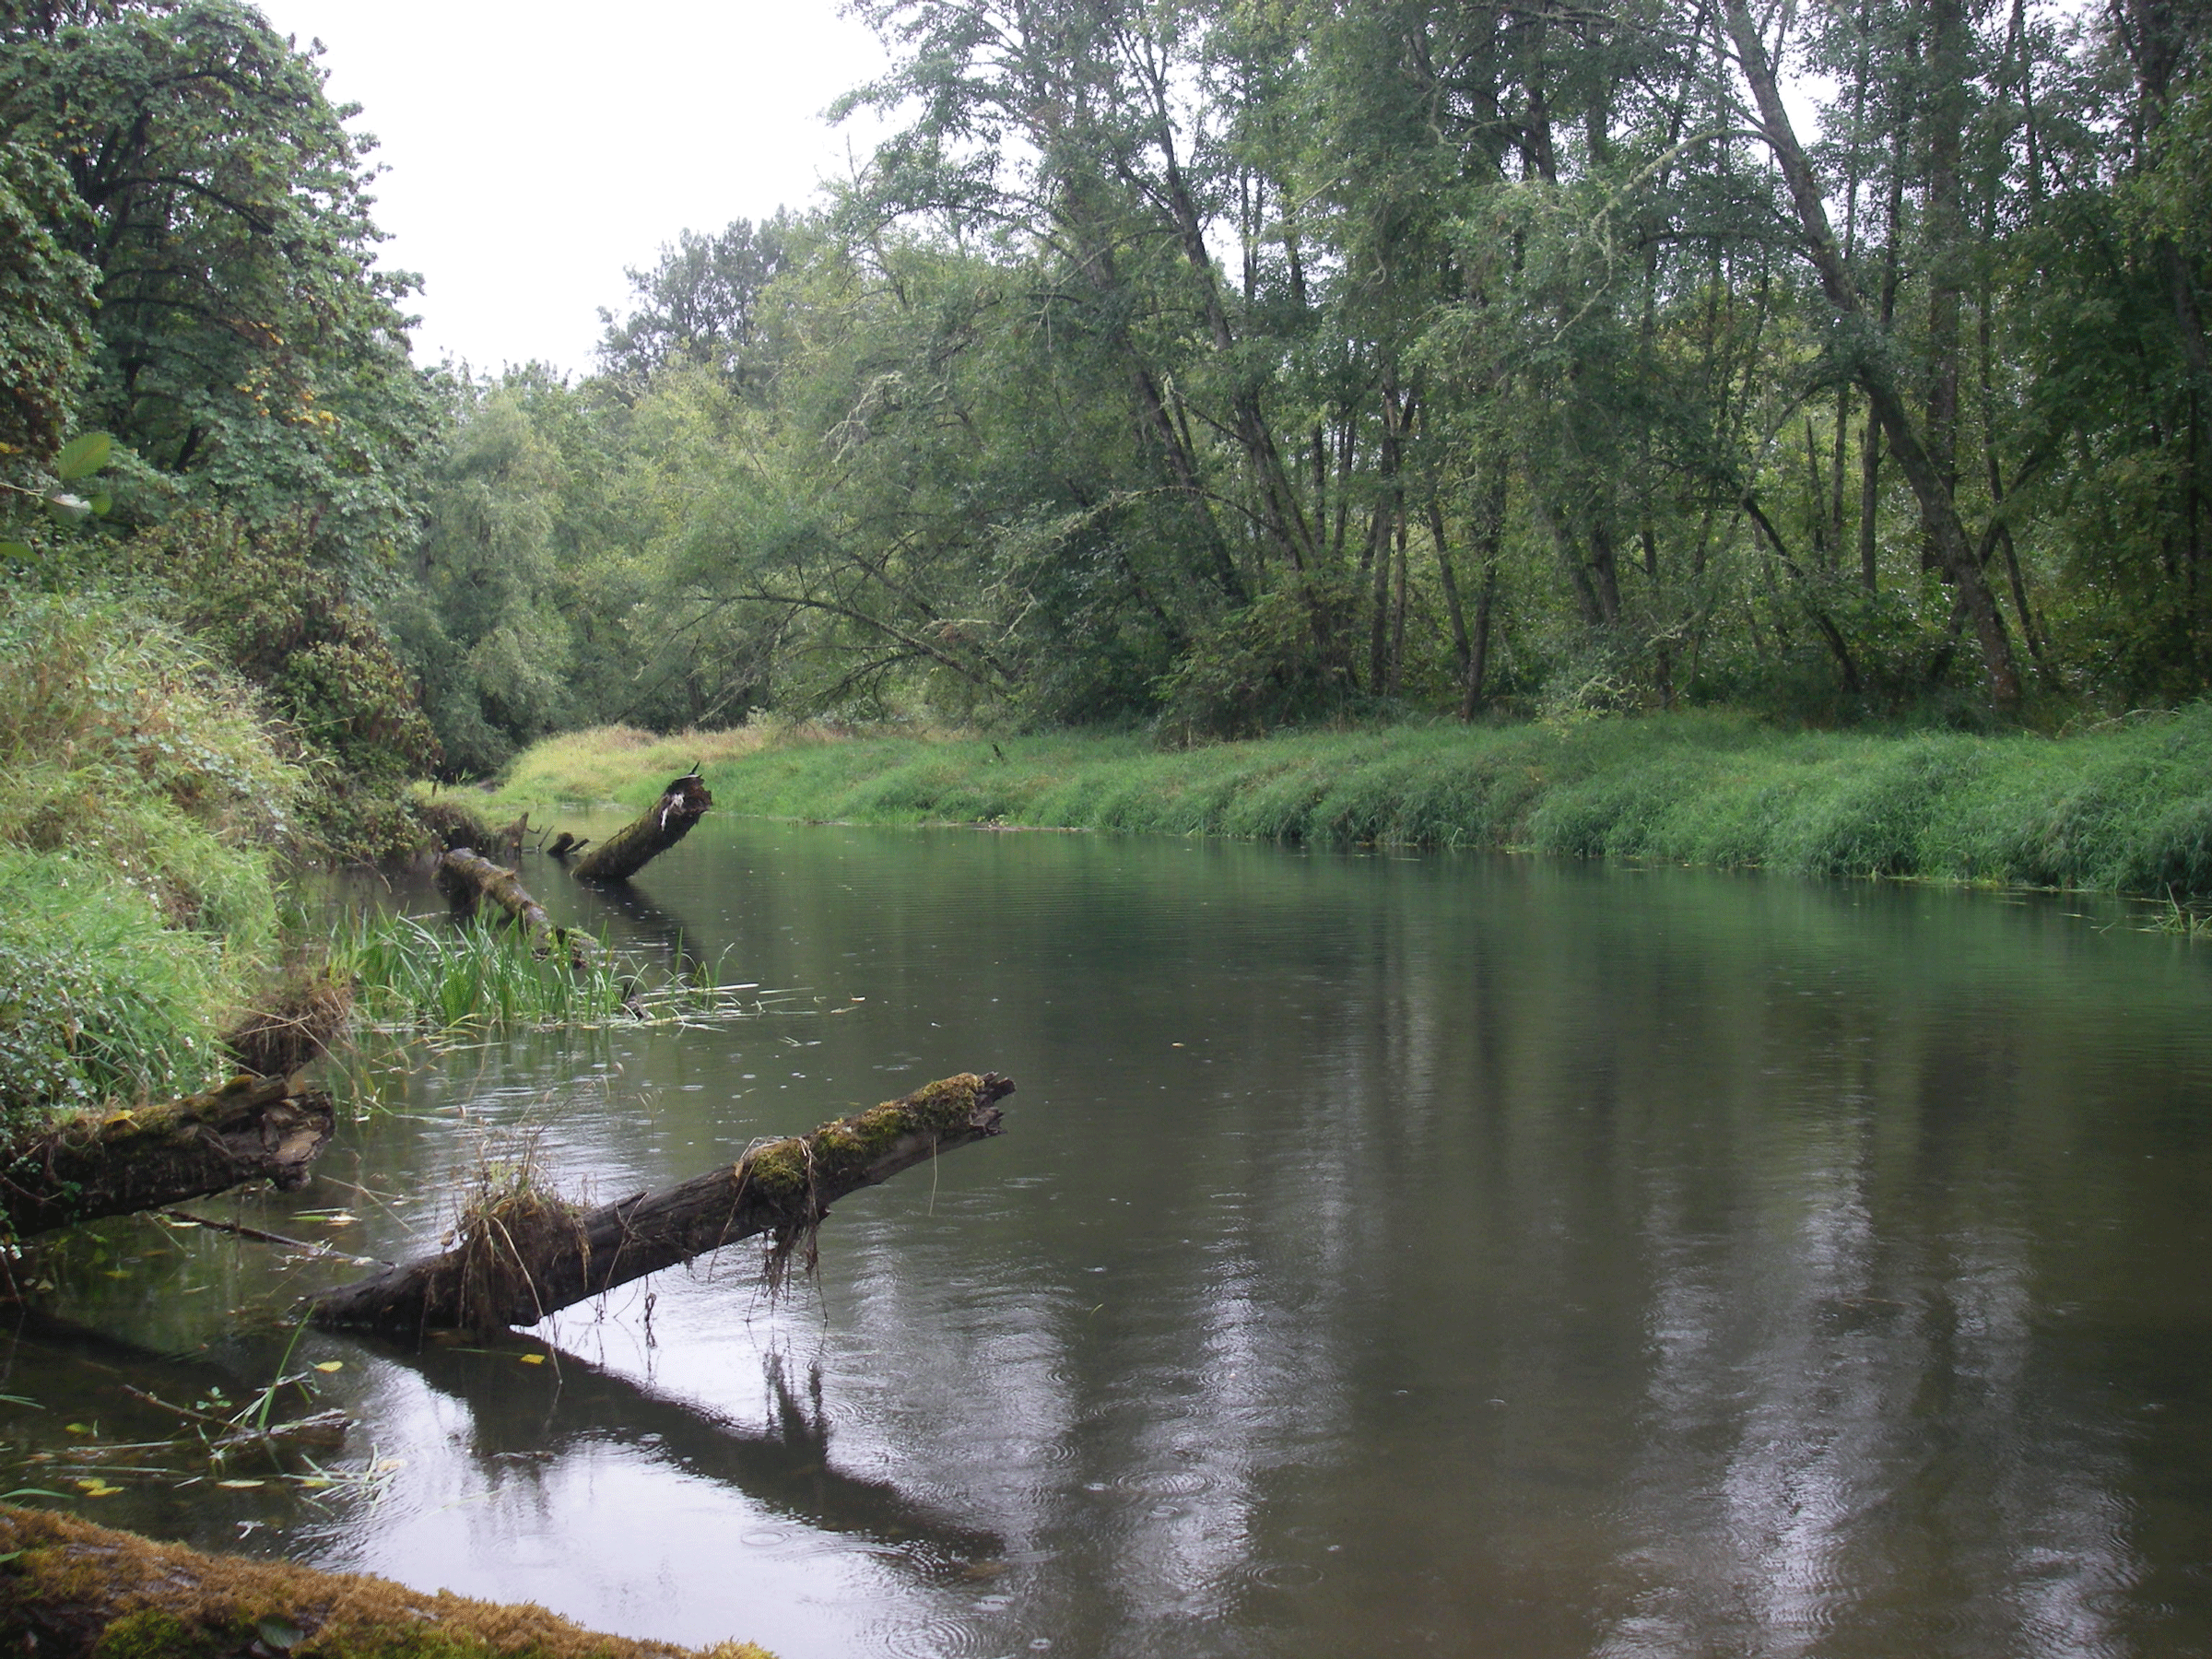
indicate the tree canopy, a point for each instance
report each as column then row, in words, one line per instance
column 1207, row 365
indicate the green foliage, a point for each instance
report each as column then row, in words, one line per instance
column 45, row 305
column 121, row 739
column 243, row 342
column 426, row 976
column 2125, row 809
column 256, row 599
column 139, row 795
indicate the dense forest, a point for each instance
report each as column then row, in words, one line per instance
column 1206, row 367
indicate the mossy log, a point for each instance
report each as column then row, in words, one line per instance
column 660, row 826
column 114, row 1164
column 467, row 879
column 528, row 1256
column 71, row 1590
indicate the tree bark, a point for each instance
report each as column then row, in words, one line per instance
column 519, row 1259
column 1939, row 514
column 250, row 1129
column 665, row 823
column 70, row 1582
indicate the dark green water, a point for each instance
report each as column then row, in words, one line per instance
column 1386, row 1256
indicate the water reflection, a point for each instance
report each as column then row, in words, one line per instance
column 538, row 1416
column 1461, row 1255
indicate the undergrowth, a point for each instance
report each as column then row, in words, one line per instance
column 101, row 1001
column 140, row 796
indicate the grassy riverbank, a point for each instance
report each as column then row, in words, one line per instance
column 2125, row 809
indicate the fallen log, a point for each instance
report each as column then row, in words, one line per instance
column 91, row 1165
column 660, row 826
column 73, row 1589
column 468, row 879
column 526, row 1255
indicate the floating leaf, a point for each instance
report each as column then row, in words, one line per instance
column 330, row 1365
column 79, row 1427
column 83, row 455
column 531, row 1359
column 280, row 1632
column 241, row 1485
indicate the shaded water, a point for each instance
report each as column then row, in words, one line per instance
column 1385, row 1255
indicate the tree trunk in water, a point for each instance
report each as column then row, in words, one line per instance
column 70, row 1583
column 521, row 1258
column 250, row 1129
column 468, row 878
column 665, row 823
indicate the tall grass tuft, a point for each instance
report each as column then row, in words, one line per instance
column 424, row 976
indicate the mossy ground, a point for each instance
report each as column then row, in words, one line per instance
column 2125, row 809
column 162, row 1601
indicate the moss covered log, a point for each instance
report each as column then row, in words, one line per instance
column 73, row 1590
column 681, row 804
column 527, row 1255
column 115, row 1163
column 469, row 881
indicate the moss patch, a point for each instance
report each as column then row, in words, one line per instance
column 843, row 1146
column 116, row 1595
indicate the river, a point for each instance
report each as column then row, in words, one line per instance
column 1385, row 1255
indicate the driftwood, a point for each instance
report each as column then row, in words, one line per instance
column 518, row 1259
column 69, row 1583
column 660, row 826
column 90, row 1166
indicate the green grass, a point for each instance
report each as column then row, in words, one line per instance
column 2125, row 809
column 140, row 794
column 423, row 976
column 102, row 1002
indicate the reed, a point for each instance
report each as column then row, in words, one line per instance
column 423, row 976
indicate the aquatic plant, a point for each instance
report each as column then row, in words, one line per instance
column 424, row 976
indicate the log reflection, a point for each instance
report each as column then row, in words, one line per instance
column 785, row 1465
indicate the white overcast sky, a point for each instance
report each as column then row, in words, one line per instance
column 534, row 150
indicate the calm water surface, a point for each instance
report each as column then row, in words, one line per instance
column 1385, row 1255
